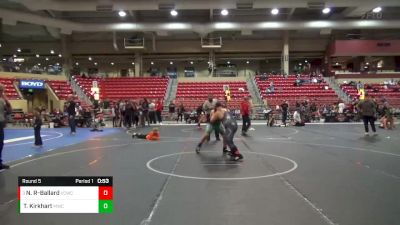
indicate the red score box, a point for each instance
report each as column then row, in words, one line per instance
column 105, row 193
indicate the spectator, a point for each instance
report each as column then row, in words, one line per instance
column 284, row 107
column 271, row 88
column 128, row 114
column 106, row 104
column 341, row 107
column 87, row 117
column 71, row 110
column 298, row 82
column 180, row 111
column 367, row 108
column 114, row 116
column 359, row 85
column 171, row 109
column 314, row 80
column 159, row 109
column 388, row 117
column 263, row 77
column 37, row 125
column 152, row 112
column 122, row 105
column 245, row 110
column 314, row 111
column 297, row 121
column 145, row 109
column 5, row 109
column 136, row 114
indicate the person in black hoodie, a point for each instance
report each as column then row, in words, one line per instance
column 284, row 108
column 181, row 111
column 128, row 114
column 145, row 108
column 37, row 124
column 71, row 105
column 135, row 114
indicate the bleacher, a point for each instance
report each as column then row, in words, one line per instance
column 61, row 88
column 285, row 90
column 133, row 88
column 380, row 93
column 193, row 94
column 9, row 91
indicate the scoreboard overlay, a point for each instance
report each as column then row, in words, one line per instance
column 65, row 194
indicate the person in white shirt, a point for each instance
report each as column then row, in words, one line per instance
column 341, row 107
column 297, row 119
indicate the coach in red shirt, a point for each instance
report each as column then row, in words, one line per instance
column 159, row 109
column 245, row 111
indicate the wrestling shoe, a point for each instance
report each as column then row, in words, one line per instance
column 225, row 151
column 198, row 149
column 237, row 156
column 4, row 167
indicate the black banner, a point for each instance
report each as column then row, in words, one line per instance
column 65, row 181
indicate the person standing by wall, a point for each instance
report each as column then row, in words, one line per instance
column 159, row 109
column 145, row 108
column 284, row 107
column 245, row 111
column 37, row 125
column 171, row 110
column 5, row 108
column 136, row 114
column 180, row 112
column 128, row 114
column 113, row 116
column 121, row 113
column 367, row 108
column 71, row 105
column 152, row 112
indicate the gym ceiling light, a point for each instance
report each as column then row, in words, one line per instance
column 326, row 10
column 122, row 13
column 174, row 12
column 377, row 10
column 275, row 11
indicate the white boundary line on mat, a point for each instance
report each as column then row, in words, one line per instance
column 148, row 164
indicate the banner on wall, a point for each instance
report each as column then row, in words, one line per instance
column 95, row 90
column 31, row 84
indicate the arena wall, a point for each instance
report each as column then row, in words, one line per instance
column 32, row 76
column 20, row 104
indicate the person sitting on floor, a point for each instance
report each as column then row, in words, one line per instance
column 98, row 123
column 387, row 121
column 154, row 135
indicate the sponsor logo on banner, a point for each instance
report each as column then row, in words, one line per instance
column 31, row 84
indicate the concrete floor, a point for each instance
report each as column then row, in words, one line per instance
column 318, row 174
